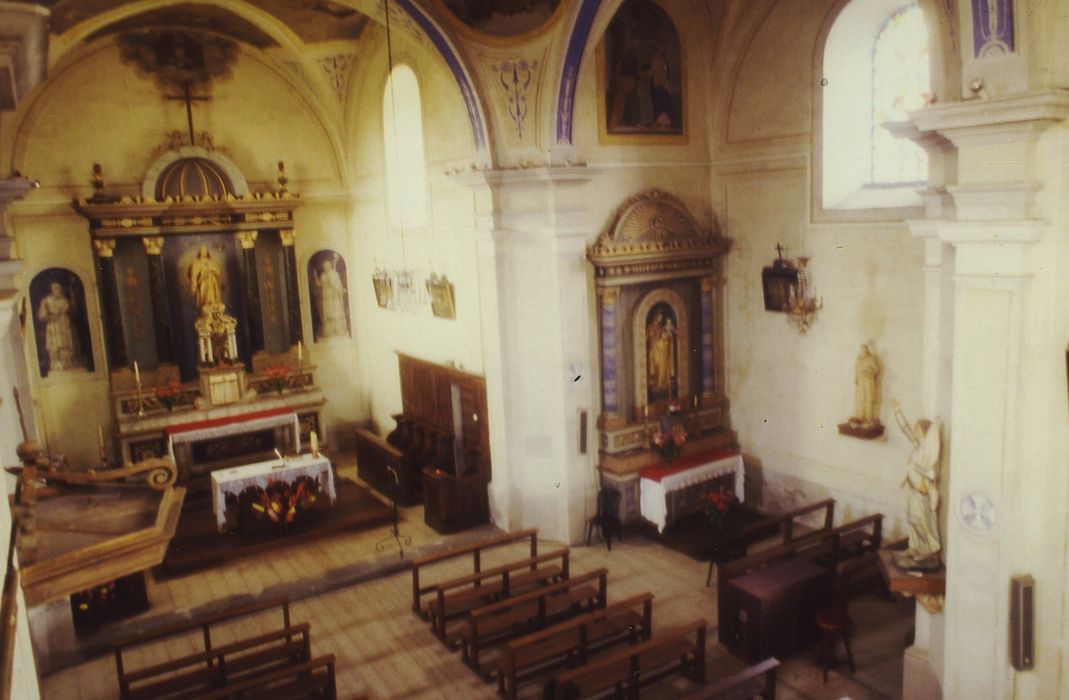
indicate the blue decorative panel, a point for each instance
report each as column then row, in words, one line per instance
column 570, row 70
column 992, row 26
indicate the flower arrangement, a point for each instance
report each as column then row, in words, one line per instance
column 277, row 376
column 168, row 393
column 718, row 505
column 674, row 407
column 669, row 443
column 281, row 503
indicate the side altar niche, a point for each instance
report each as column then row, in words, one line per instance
column 202, row 315
column 657, row 275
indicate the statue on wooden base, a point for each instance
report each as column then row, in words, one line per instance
column 922, row 510
column 865, row 422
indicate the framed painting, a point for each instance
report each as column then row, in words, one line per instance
column 443, row 302
column 640, row 75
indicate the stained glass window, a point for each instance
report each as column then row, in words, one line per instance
column 900, row 84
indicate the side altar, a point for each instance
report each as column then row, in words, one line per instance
column 657, row 275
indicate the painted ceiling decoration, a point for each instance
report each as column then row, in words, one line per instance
column 178, row 59
column 503, row 18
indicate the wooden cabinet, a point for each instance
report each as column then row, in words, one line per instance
column 454, row 503
column 771, row 611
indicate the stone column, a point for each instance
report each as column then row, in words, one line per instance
column 161, row 317
column 293, row 297
column 610, row 381
column 1005, row 511
column 109, row 292
column 251, row 285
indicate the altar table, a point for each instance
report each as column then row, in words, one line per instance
column 657, row 481
column 233, row 425
column 235, row 480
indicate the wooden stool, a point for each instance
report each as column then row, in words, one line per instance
column 833, row 622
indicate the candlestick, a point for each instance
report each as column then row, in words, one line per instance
column 314, row 439
column 300, row 352
column 137, row 373
column 137, row 381
column 100, row 442
column 646, row 411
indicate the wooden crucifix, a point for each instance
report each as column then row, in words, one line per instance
column 188, row 96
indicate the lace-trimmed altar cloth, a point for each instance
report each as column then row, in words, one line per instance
column 237, row 479
column 233, row 425
column 657, row 481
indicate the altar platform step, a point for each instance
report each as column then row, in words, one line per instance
column 198, row 544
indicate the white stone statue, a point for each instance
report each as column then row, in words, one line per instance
column 922, row 509
column 867, row 388
column 54, row 312
column 330, row 293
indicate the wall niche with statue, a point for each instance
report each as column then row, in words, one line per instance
column 658, row 279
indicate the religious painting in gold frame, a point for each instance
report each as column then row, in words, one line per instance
column 443, row 301
column 641, row 80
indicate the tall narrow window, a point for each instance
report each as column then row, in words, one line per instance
column 900, row 80
column 876, row 69
column 406, row 169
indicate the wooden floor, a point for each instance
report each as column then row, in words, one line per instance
column 385, row 651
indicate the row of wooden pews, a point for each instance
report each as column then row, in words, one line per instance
column 277, row 663
column 533, row 620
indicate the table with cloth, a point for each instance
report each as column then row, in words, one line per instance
column 664, row 488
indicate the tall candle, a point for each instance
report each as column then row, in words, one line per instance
column 137, row 373
column 300, row 352
column 314, row 439
column 100, row 441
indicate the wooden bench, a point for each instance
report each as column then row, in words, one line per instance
column 231, row 663
column 498, row 622
column 574, row 640
column 204, row 623
column 786, row 524
column 420, row 564
column 846, row 550
column 309, row 679
column 459, row 596
column 374, row 459
column 625, row 671
column 758, row 680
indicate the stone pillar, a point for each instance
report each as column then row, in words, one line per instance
column 251, row 286
column 533, row 223
column 1006, row 480
column 109, row 292
column 610, row 383
column 161, row 317
column 293, row 297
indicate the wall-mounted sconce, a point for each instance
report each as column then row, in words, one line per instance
column 802, row 303
column 787, row 288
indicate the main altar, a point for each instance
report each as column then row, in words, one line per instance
column 198, row 285
column 657, row 275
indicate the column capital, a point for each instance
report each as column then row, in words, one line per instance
column 153, row 244
column 288, row 236
column 608, row 295
column 104, row 247
column 710, row 283
column 247, row 239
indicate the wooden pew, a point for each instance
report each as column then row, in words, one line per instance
column 625, row 671
column 310, row 679
column 577, row 639
column 845, row 550
column 204, row 623
column 476, row 550
column 460, row 596
column 196, row 673
column 785, row 523
column 513, row 616
column 758, row 680
column 374, row 459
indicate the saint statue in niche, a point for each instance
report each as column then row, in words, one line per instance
column 330, row 298
column 661, row 356
column 60, row 346
column 866, row 388
column 922, row 506
column 204, row 275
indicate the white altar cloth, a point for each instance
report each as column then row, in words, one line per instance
column 233, row 425
column 289, row 469
column 652, row 494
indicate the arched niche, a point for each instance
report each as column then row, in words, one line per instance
column 661, row 332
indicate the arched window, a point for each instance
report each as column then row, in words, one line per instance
column 406, row 170
column 876, row 69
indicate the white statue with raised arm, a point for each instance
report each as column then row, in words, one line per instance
column 922, row 478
